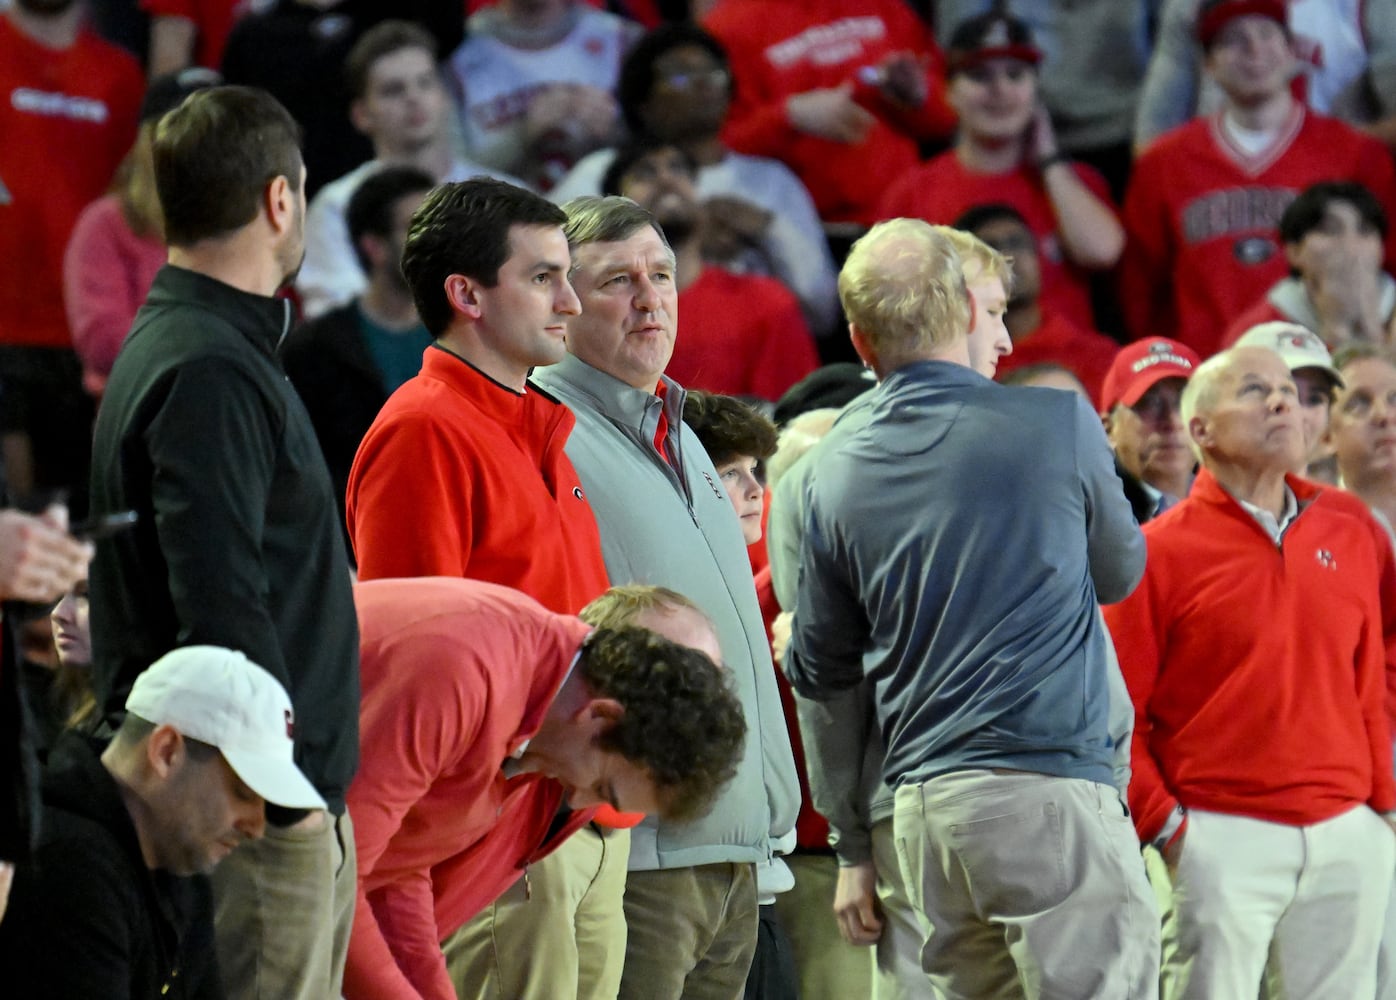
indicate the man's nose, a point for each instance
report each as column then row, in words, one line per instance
column 646, row 295
column 566, row 302
column 253, row 822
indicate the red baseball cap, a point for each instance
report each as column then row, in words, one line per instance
column 993, row 35
column 1140, row 365
column 1219, row 13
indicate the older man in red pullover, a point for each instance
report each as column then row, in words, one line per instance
column 1262, row 759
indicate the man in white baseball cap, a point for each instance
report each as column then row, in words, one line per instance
column 1317, row 380
column 108, row 906
column 221, row 698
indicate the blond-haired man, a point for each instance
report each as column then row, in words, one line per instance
column 968, row 606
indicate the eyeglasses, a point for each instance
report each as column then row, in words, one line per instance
column 687, row 79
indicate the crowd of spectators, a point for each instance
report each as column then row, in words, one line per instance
column 654, row 499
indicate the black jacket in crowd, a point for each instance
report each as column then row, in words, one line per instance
column 332, row 369
column 237, row 543
column 87, row 919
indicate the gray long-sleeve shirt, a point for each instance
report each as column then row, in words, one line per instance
column 954, row 550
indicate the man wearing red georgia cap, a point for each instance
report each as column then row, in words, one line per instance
column 1007, row 153
column 1139, row 405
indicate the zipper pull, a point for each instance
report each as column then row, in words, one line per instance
column 528, row 885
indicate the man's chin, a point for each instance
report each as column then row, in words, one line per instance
column 294, row 273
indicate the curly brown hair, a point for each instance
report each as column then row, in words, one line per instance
column 727, row 427
column 682, row 723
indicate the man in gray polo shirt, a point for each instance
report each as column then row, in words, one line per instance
column 953, row 554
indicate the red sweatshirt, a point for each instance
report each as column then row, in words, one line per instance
column 460, row 476
column 456, row 675
column 1257, row 672
column 1202, row 219
column 779, row 48
column 66, row 120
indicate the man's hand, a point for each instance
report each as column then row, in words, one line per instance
column 574, row 116
column 830, row 113
column 39, row 560
column 1042, row 138
column 781, row 631
column 902, row 79
column 1346, row 294
column 732, row 226
column 856, row 908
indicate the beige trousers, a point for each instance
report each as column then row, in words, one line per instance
column 692, row 932
column 1030, row 885
column 558, row 936
column 283, row 906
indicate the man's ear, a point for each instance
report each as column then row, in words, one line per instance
column 164, row 750
column 1198, row 431
column 279, row 201
column 463, row 294
column 1327, row 446
column 863, row 346
column 375, row 248
column 358, row 116
column 1109, row 420
column 1294, row 253
column 600, row 714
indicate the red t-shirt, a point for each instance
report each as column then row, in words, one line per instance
column 67, row 117
column 1058, row 341
column 740, row 335
column 779, row 48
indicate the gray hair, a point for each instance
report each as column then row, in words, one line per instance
column 609, row 219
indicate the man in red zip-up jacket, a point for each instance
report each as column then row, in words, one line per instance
column 472, row 440
column 1254, row 655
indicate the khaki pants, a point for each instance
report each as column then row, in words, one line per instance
column 561, row 936
column 898, row 974
column 828, row 966
column 283, row 906
column 1301, row 907
column 691, row 932
column 1031, row 886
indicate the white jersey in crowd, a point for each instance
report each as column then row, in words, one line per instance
column 496, row 81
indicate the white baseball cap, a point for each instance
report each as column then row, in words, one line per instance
column 1297, row 345
column 220, row 697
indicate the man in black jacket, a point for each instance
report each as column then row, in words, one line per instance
column 108, row 908
column 236, row 543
